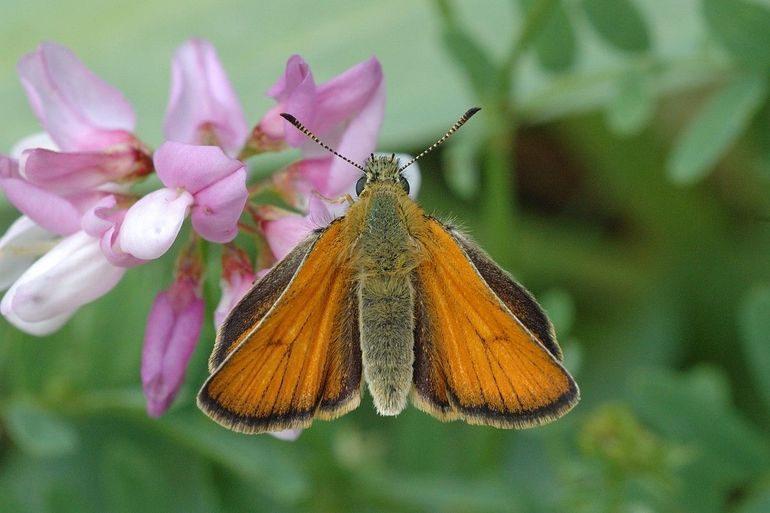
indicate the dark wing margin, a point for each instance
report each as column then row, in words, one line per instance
column 258, row 301
column 518, row 299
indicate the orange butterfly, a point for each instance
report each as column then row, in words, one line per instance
column 390, row 296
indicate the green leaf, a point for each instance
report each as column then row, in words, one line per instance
column 633, row 106
column 696, row 408
column 619, row 23
column 755, row 331
column 742, row 27
column 715, row 128
column 555, row 42
column 38, row 431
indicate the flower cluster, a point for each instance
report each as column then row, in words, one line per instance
column 83, row 225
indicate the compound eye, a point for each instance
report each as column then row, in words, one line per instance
column 360, row 184
column 404, row 184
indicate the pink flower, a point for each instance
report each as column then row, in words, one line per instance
column 345, row 112
column 103, row 221
column 79, row 110
column 88, row 119
column 200, row 180
column 237, row 279
column 173, row 328
column 72, row 172
column 56, row 213
column 19, row 247
column 283, row 230
column 68, row 276
column 203, row 108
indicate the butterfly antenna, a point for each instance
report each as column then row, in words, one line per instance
column 291, row 119
column 460, row 122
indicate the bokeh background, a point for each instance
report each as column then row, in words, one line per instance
column 620, row 169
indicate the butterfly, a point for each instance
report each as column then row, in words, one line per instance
column 388, row 296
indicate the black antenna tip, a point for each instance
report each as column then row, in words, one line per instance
column 288, row 117
column 470, row 112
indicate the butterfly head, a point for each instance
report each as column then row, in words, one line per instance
column 382, row 170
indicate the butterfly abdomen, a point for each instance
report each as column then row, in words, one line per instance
column 385, row 258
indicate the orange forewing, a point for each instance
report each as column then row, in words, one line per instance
column 302, row 359
column 250, row 310
column 474, row 359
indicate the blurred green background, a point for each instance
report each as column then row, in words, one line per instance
column 620, row 169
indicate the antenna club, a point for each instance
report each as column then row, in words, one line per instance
column 288, row 117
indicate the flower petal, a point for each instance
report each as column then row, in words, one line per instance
column 285, row 233
column 51, row 211
column 237, row 279
column 152, row 223
column 78, row 109
column 38, row 140
column 287, row 435
column 192, row 167
column 65, row 173
column 349, row 93
column 219, row 206
column 202, row 100
column 173, row 328
column 359, row 138
column 103, row 221
column 72, row 274
column 17, row 248
column 295, row 92
column 38, row 329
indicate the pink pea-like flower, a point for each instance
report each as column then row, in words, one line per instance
column 346, row 112
column 173, row 328
column 103, row 221
column 203, row 107
column 80, row 111
column 199, row 180
column 74, row 272
column 55, row 213
column 90, row 141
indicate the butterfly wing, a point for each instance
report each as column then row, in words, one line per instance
column 474, row 358
column 518, row 300
column 258, row 301
column 302, row 357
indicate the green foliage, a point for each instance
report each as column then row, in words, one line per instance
column 755, row 331
column 618, row 169
column 718, row 124
column 619, row 23
column 743, row 27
